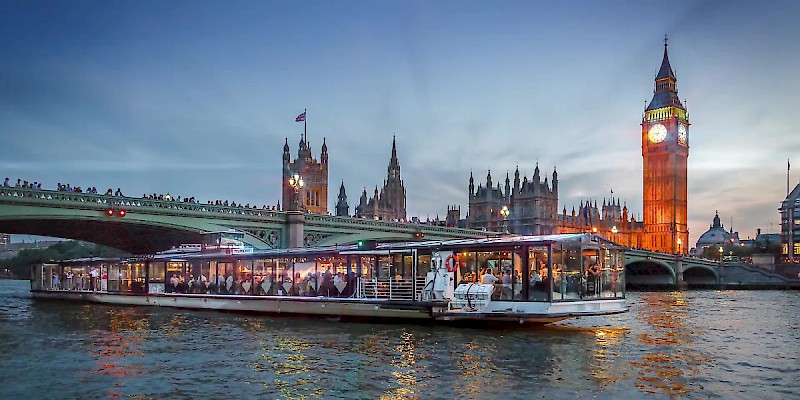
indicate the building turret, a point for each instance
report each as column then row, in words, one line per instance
column 323, row 157
column 471, row 186
column 555, row 181
column 507, row 195
column 489, row 180
column 342, row 208
column 516, row 180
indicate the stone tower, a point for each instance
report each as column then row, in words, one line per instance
column 313, row 197
column 665, row 150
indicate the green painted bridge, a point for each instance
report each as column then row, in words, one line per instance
column 149, row 226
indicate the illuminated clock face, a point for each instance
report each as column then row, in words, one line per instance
column 682, row 135
column 657, row 133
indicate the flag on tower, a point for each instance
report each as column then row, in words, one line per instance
column 301, row 117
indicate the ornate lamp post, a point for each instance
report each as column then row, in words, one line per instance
column 614, row 234
column 296, row 182
column 504, row 212
column 680, row 242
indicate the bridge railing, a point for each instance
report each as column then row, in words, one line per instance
column 100, row 201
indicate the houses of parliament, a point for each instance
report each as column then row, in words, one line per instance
column 530, row 206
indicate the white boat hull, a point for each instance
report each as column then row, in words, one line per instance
column 499, row 311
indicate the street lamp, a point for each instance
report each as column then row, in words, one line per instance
column 614, row 234
column 296, row 182
column 504, row 212
column 720, row 255
column 680, row 242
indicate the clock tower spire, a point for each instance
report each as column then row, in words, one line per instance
column 665, row 150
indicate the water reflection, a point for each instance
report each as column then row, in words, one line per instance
column 670, row 340
column 670, row 345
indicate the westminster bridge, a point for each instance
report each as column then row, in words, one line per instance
column 145, row 226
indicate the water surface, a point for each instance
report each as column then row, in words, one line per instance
column 698, row 344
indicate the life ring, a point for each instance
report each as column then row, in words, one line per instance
column 454, row 266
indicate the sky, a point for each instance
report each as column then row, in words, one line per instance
column 195, row 98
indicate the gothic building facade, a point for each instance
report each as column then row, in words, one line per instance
column 390, row 203
column 313, row 196
column 531, row 207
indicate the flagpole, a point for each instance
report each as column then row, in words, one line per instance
column 788, row 166
column 305, row 125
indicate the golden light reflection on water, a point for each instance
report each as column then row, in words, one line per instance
column 114, row 347
column 287, row 357
column 605, row 369
column 665, row 369
column 477, row 370
column 406, row 371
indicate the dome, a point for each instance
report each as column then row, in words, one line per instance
column 715, row 235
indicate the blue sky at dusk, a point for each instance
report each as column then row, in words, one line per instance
column 196, row 98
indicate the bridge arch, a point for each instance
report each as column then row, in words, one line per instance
column 133, row 235
column 700, row 276
column 651, row 274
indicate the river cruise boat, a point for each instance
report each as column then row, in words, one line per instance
column 510, row 279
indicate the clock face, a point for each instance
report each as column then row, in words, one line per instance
column 657, row 133
column 683, row 138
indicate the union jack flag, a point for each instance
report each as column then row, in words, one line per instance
column 301, row 117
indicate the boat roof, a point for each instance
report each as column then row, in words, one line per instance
column 402, row 247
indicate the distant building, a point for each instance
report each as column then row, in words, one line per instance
column 532, row 205
column 313, row 196
column 390, row 203
column 342, row 208
column 5, row 239
column 716, row 235
column 790, row 224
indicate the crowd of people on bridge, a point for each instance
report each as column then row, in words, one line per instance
column 23, row 184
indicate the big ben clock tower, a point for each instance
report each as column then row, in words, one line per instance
column 665, row 149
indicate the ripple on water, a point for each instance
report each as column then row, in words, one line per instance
column 704, row 344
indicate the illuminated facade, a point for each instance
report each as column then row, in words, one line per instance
column 665, row 149
column 790, row 224
column 313, row 196
column 611, row 221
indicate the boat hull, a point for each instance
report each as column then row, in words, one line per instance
column 502, row 313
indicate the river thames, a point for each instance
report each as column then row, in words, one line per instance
column 696, row 344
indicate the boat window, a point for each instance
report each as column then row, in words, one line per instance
column 244, row 284
column 593, row 277
column 174, row 274
column 114, row 278
column 155, row 282
column 538, row 282
column 614, row 271
column 555, row 281
column 517, row 283
column 468, row 264
column 423, row 264
column 283, row 276
column 307, row 269
column 261, row 281
column 568, row 276
column 384, row 267
column 497, row 267
column 201, row 272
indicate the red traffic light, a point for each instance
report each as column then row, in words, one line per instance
column 112, row 212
